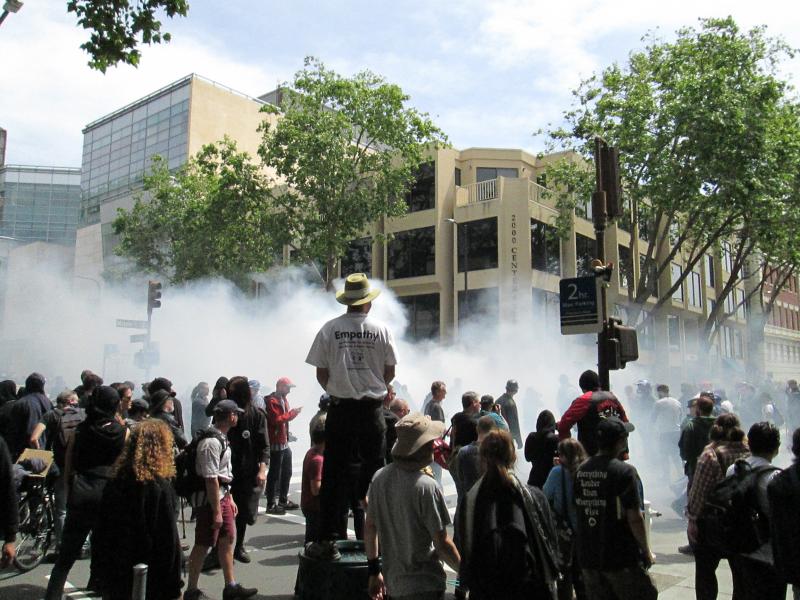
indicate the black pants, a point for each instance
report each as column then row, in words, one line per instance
column 279, row 476
column 77, row 526
column 312, row 525
column 354, row 449
column 755, row 580
column 706, row 562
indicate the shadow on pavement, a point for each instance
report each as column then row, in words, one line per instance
column 286, row 560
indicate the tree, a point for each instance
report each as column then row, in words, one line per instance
column 118, row 27
column 707, row 137
column 347, row 150
column 212, row 218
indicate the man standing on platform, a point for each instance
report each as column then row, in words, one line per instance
column 355, row 360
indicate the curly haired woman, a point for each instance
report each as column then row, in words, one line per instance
column 137, row 518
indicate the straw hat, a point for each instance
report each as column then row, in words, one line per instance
column 356, row 291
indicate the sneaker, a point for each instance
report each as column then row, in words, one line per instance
column 196, row 594
column 211, row 561
column 237, row 591
column 687, row 549
column 241, row 555
column 289, row 505
column 276, row 509
column 326, row 550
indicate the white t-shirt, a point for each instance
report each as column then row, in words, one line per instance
column 668, row 414
column 355, row 349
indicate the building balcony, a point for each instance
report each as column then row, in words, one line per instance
column 494, row 189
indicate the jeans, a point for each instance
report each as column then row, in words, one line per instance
column 706, row 562
column 60, row 508
column 77, row 526
column 279, row 476
column 354, row 449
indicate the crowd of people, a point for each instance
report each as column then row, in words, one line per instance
column 574, row 528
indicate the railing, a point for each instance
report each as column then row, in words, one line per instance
column 535, row 192
column 482, row 191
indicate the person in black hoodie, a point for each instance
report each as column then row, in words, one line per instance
column 220, row 392
column 91, row 453
column 249, row 460
column 162, row 407
column 8, row 392
column 162, row 383
column 136, row 521
column 541, row 447
column 24, row 414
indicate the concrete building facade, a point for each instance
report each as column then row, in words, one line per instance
column 174, row 122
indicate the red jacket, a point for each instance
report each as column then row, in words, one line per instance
column 577, row 413
column 278, row 416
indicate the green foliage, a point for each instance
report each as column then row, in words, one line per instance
column 347, row 150
column 708, row 137
column 119, row 26
column 212, row 218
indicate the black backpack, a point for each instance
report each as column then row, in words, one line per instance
column 731, row 521
column 187, row 481
column 67, row 423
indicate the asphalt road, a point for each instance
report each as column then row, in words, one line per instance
column 274, row 543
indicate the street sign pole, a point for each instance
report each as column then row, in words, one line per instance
column 600, row 218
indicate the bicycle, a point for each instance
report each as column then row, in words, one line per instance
column 36, row 523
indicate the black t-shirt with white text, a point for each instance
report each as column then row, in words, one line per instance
column 605, row 488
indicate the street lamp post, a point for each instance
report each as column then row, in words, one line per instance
column 10, row 6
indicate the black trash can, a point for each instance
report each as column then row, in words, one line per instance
column 344, row 579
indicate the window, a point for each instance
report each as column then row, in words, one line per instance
column 546, row 310
column 727, row 257
column 674, row 332
column 487, row 173
column 477, row 245
column 647, row 270
column 458, row 176
column 730, row 304
column 675, row 271
column 644, row 326
column 695, row 290
column 710, row 274
column 412, row 253
column 625, row 267
column 423, row 316
column 545, row 248
column 480, row 303
column 585, row 252
column 741, row 309
column 358, row 257
column 583, row 208
column 423, row 193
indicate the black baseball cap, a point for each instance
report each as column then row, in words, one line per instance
column 227, row 406
column 611, row 429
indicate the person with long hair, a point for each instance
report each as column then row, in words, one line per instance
column 506, row 531
column 136, row 521
column 560, row 492
column 541, row 447
column 90, row 455
column 726, row 447
column 220, row 392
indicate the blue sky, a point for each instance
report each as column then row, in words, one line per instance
column 490, row 73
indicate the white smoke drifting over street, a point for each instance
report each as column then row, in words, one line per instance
column 208, row 329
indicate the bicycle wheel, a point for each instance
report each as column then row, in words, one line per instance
column 36, row 535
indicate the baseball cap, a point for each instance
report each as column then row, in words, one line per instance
column 254, row 384
column 286, row 381
column 611, row 429
column 227, row 406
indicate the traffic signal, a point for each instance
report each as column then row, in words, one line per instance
column 620, row 345
column 153, row 295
